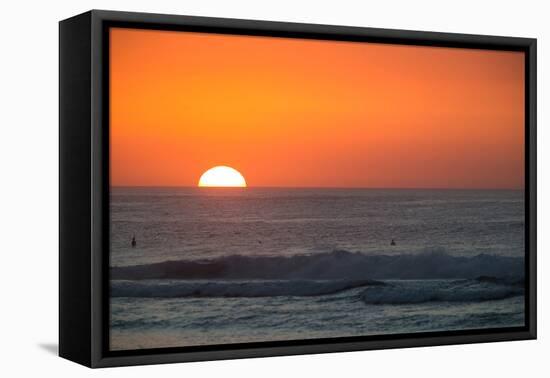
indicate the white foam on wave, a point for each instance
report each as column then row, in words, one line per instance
column 409, row 292
column 334, row 265
column 180, row 289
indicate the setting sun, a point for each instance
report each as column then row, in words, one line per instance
column 222, row 176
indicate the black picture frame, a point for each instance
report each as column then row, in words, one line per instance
column 84, row 187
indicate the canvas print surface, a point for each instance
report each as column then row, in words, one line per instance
column 268, row 189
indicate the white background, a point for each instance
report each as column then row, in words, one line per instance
column 29, row 190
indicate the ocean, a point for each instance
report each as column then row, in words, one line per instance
column 235, row 265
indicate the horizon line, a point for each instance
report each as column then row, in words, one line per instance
column 319, row 187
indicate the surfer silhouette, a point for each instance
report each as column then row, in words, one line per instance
column 134, row 241
column 392, row 242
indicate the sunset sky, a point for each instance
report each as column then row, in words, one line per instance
column 308, row 113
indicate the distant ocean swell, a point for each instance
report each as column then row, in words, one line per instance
column 336, row 265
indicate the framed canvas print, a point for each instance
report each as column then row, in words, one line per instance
column 234, row 188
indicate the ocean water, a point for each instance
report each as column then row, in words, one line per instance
column 233, row 265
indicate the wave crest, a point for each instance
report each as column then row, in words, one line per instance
column 338, row 264
column 411, row 292
column 205, row 289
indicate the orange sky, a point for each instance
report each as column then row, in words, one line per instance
column 294, row 112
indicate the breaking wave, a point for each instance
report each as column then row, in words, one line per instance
column 410, row 292
column 336, row 265
column 204, row 289
column 371, row 291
